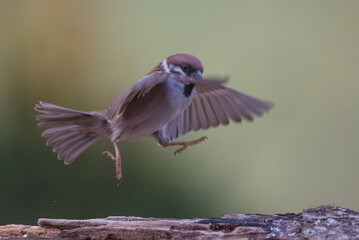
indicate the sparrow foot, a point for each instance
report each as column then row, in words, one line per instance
column 117, row 159
column 187, row 144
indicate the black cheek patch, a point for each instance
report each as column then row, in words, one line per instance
column 187, row 90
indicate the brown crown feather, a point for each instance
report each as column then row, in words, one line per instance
column 180, row 59
column 186, row 59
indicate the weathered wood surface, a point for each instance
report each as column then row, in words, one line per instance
column 324, row 222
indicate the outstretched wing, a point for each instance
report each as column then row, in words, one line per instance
column 213, row 105
column 143, row 86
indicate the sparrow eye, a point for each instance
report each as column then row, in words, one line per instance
column 187, row 70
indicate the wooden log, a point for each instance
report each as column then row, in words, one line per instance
column 323, row 222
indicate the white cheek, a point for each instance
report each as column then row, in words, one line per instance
column 165, row 66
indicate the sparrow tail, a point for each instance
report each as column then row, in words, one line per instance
column 70, row 132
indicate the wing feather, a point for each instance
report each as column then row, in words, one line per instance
column 210, row 112
column 200, row 113
column 218, row 108
column 194, row 119
column 214, row 104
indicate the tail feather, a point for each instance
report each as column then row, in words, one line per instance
column 53, row 139
column 70, row 131
column 59, row 130
column 67, row 142
column 72, row 153
column 53, row 115
column 44, row 107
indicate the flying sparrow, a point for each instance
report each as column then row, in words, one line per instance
column 170, row 101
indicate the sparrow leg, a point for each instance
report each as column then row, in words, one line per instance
column 117, row 159
column 186, row 144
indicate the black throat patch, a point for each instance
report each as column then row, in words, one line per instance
column 187, row 90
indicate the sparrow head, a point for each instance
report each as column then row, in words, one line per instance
column 184, row 64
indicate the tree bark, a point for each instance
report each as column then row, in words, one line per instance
column 323, row 222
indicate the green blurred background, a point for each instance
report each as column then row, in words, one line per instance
column 302, row 55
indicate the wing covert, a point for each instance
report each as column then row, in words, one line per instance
column 141, row 88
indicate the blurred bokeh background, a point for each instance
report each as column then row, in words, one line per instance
column 302, row 55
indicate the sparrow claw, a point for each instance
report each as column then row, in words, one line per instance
column 110, row 155
column 203, row 139
column 119, row 178
column 119, row 182
column 180, row 150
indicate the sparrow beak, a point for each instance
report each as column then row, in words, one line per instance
column 197, row 74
